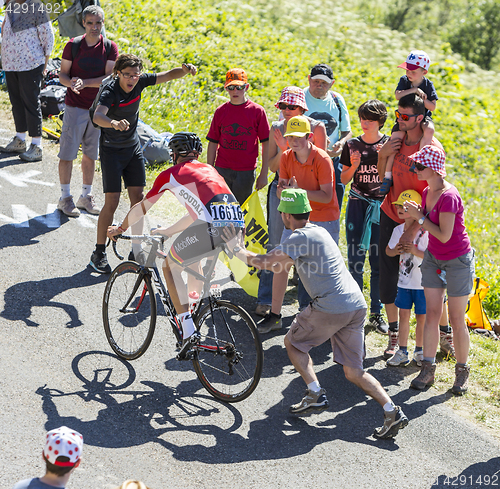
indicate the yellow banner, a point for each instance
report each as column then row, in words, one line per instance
column 256, row 238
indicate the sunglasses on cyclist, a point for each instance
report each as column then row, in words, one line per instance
column 404, row 117
column 283, row 106
column 236, row 87
column 419, row 166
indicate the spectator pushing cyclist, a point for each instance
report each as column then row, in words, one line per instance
column 210, row 205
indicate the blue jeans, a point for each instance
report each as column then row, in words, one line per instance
column 339, row 186
column 275, row 229
column 354, row 221
column 333, row 228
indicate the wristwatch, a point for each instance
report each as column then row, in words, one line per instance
column 236, row 249
column 421, row 220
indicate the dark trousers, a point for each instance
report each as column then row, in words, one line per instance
column 24, row 94
column 339, row 186
column 354, row 225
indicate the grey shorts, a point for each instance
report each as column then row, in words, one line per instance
column 311, row 328
column 78, row 129
column 459, row 273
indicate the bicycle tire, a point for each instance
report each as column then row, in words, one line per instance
column 129, row 333
column 228, row 358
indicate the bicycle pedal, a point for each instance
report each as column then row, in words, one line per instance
column 188, row 355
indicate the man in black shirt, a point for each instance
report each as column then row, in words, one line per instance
column 120, row 151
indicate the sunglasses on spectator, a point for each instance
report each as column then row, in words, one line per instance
column 236, row 87
column 134, row 76
column 284, row 106
column 419, row 166
column 404, row 117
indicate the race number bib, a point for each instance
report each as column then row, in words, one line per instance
column 226, row 213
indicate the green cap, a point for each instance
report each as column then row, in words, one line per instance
column 294, row 201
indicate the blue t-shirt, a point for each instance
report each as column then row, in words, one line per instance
column 326, row 111
column 426, row 86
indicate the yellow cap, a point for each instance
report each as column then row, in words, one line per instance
column 298, row 126
column 408, row 195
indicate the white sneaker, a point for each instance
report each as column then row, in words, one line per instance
column 399, row 359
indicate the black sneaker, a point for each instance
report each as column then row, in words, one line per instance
column 393, row 422
column 312, row 401
column 272, row 322
column 376, row 321
column 99, row 262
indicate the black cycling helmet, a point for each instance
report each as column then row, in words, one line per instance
column 183, row 143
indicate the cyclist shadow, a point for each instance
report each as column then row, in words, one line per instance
column 25, row 233
column 19, row 299
column 145, row 415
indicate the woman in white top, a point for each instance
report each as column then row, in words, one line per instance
column 27, row 42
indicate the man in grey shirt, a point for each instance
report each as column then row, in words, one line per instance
column 337, row 311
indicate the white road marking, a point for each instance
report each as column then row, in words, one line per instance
column 22, row 215
column 22, row 179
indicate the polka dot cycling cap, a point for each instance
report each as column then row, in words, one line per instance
column 63, row 442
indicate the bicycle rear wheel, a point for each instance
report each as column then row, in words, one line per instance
column 129, row 311
column 228, row 359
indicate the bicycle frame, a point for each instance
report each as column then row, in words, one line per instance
column 150, row 268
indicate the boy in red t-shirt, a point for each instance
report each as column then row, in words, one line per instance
column 236, row 129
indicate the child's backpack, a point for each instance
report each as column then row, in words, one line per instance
column 475, row 317
column 106, row 82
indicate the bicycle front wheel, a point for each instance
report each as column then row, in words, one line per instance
column 129, row 311
column 228, row 359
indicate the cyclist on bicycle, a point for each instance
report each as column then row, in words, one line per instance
column 210, row 204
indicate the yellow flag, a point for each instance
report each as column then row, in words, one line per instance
column 256, row 239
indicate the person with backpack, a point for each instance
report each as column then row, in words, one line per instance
column 86, row 61
column 117, row 113
column 329, row 107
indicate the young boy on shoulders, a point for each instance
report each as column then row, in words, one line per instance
column 410, row 290
column 416, row 65
column 236, row 129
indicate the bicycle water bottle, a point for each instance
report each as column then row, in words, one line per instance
column 442, row 275
column 194, row 297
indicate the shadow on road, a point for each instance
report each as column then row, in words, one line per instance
column 25, row 233
column 482, row 474
column 19, row 299
column 206, row 430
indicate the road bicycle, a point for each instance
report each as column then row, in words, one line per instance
column 226, row 351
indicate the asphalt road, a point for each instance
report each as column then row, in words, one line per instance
column 151, row 419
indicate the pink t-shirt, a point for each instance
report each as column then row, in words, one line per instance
column 237, row 129
column 459, row 243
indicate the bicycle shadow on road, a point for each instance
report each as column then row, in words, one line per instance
column 19, row 299
column 144, row 416
column 153, row 412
